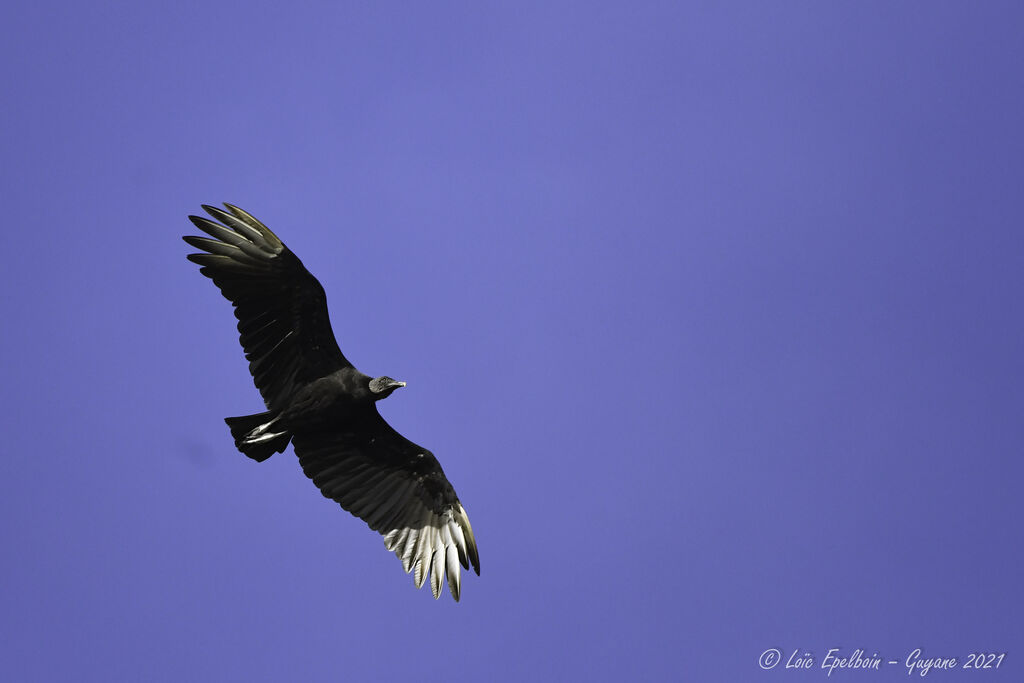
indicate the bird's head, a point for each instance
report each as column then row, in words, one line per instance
column 381, row 387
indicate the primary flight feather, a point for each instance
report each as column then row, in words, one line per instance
column 317, row 400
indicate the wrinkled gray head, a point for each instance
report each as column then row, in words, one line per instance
column 382, row 387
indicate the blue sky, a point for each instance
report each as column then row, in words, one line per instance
column 711, row 312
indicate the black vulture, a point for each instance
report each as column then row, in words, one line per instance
column 319, row 401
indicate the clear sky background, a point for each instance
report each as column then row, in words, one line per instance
column 712, row 313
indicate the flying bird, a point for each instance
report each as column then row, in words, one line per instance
column 317, row 400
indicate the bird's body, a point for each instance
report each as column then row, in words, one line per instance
column 341, row 395
column 317, row 400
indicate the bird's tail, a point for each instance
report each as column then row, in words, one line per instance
column 256, row 436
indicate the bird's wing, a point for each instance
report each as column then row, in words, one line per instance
column 400, row 491
column 281, row 308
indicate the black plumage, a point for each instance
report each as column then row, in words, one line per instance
column 317, row 400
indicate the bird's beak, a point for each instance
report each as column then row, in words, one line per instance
column 399, row 384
